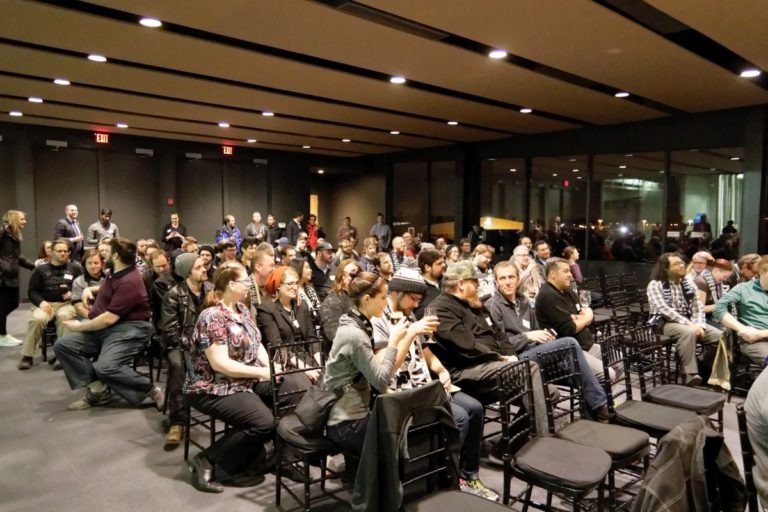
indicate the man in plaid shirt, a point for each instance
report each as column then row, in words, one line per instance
column 676, row 306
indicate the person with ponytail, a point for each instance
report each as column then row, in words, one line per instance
column 10, row 261
column 354, row 368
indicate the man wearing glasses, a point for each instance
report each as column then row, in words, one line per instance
column 50, row 292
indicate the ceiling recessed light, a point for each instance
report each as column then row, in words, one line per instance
column 15, row 113
column 713, row 168
column 571, row 159
column 268, row 113
column 306, row 147
column 621, row 94
column 35, row 99
column 251, row 141
column 630, row 155
column 621, row 175
column 61, row 81
column 497, row 54
column 661, row 172
column 151, row 22
column 346, row 140
column 693, row 150
column 95, row 57
column 320, row 171
column 513, row 170
column 578, row 177
column 397, row 80
column 526, row 110
column 575, row 170
column 453, row 123
column 394, row 132
column 622, row 167
column 735, row 158
column 121, row 125
column 223, row 124
column 750, row 73
column 554, row 174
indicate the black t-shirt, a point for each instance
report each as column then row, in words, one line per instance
column 50, row 283
column 553, row 311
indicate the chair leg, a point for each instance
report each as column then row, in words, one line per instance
column 187, row 428
column 278, row 469
column 611, row 490
column 527, row 503
column 720, row 421
column 305, row 473
column 507, row 484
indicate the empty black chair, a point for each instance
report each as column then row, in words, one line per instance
column 748, row 458
column 568, row 418
column 556, row 465
column 648, row 358
column 654, row 419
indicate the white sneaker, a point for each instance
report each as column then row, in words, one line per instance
column 9, row 341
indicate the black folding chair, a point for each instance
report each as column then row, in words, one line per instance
column 748, row 458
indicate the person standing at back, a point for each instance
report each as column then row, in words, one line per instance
column 10, row 261
column 69, row 228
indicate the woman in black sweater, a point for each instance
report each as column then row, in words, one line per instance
column 10, row 261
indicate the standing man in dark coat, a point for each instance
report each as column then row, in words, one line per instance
column 69, row 228
column 173, row 234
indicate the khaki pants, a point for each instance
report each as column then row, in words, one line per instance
column 61, row 311
column 685, row 343
column 594, row 357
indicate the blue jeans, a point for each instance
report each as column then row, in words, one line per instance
column 594, row 394
column 349, row 436
column 115, row 348
column 468, row 415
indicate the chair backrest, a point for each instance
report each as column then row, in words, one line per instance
column 629, row 281
column 560, row 367
column 518, row 421
column 611, row 283
column 294, row 358
column 590, row 283
column 646, row 357
column 617, row 300
column 614, row 354
column 748, row 457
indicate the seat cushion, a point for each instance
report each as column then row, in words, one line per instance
column 650, row 417
column 293, row 432
column 563, row 463
column 699, row 400
column 615, row 440
column 454, row 500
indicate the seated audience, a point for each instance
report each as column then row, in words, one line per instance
column 558, row 308
column 711, row 285
column 345, row 252
column 531, row 275
column 748, row 267
column 302, row 246
column 404, row 293
column 117, row 330
column 225, row 252
column 44, row 254
column 287, row 253
column 751, row 322
column 452, row 254
column 542, row 253
column 432, row 265
column 338, row 302
column 676, row 308
column 370, row 249
column 399, row 255
column 353, row 369
column 263, row 264
column 700, row 264
column 208, row 254
column 307, row 294
column 321, row 269
column 384, row 266
column 50, row 292
column 481, row 262
column 248, row 252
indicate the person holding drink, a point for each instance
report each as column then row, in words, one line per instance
column 406, row 289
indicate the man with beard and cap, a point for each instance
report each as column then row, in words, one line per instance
column 180, row 308
column 208, row 253
column 118, row 329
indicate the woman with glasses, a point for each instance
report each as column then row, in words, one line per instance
column 284, row 320
column 227, row 378
column 338, row 302
column 10, row 261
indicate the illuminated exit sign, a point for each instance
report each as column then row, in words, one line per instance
column 102, row 138
column 227, row 150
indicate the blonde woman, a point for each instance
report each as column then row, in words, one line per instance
column 10, row 261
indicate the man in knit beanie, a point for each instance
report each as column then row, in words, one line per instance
column 178, row 315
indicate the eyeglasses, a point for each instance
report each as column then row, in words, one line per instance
column 291, row 283
column 246, row 281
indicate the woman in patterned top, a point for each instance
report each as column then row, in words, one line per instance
column 228, row 359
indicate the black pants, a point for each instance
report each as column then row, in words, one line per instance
column 9, row 301
column 177, row 413
column 479, row 381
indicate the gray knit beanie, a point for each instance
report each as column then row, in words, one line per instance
column 408, row 280
column 184, row 263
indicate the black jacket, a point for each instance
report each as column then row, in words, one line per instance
column 553, row 311
column 465, row 338
column 179, row 314
column 64, row 229
column 292, row 231
column 11, row 259
column 276, row 325
column 512, row 319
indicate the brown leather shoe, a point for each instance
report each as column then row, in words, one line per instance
column 25, row 363
column 174, row 437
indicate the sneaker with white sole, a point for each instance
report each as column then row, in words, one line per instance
column 91, row 399
column 9, row 341
column 478, row 488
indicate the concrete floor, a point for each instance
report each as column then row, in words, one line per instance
column 112, row 458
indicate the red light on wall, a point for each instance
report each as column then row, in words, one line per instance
column 228, row 150
column 566, row 183
column 102, row 138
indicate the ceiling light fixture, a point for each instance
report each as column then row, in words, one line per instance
column 621, row 175
column 223, row 124
column 621, row 94
column 497, row 54
column 713, row 168
column 630, row 155
column 306, row 147
column 750, row 73
column 526, row 110
column 571, row 159
column 554, row 175
column 397, row 80
column 251, row 141
column 151, row 22
column 61, row 81
column 578, row 177
column 267, row 113
column 95, row 57
column 35, row 99
column 453, row 123
column 575, row 170
column 622, row 167
column 346, row 140
column 121, row 125
column 15, row 113
column 735, row 158
column 321, row 171
column 394, row 132
column 513, row 170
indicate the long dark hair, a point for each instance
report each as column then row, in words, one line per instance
column 660, row 271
